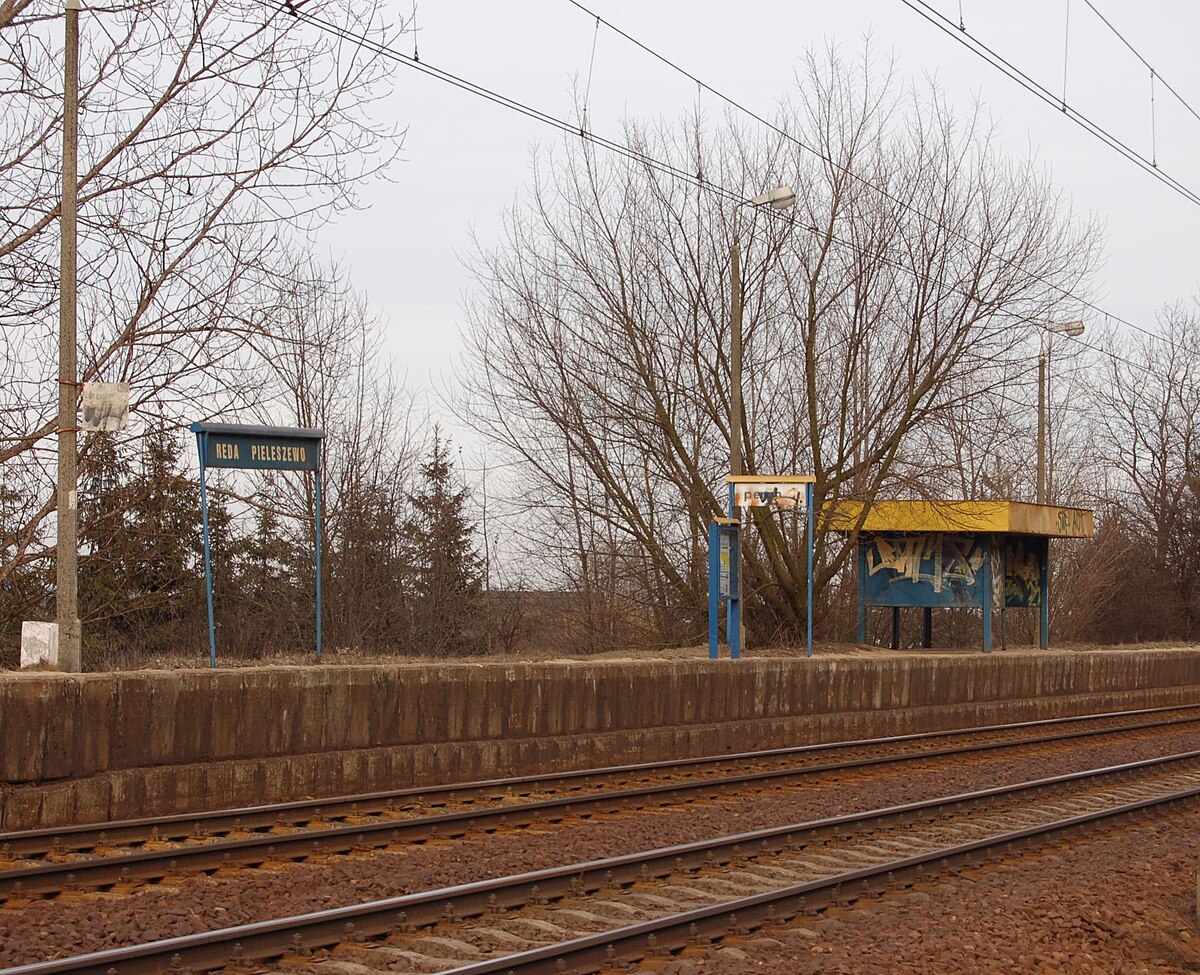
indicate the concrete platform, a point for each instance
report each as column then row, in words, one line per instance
column 89, row 747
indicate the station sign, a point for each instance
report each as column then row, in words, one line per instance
column 248, row 447
column 263, row 451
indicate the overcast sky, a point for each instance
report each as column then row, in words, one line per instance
column 467, row 160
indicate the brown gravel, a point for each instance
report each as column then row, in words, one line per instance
column 76, row 923
column 1112, row 902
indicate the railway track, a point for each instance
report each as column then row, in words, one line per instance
column 603, row 914
column 100, row 856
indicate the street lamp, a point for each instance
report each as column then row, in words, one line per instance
column 779, row 198
column 1074, row 330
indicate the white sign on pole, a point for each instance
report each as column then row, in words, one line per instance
column 105, row 407
column 768, row 494
column 39, row 643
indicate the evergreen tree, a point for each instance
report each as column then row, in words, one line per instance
column 271, row 598
column 25, row 593
column 140, row 578
column 446, row 568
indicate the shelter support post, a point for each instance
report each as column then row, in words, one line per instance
column 714, row 596
column 734, row 625
column 985, row 593
column 927, row 628
column 1003, row 601
column 895, row 627
column 862, row 589
column 1044, row 597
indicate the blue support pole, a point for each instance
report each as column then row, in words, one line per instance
column 714, row 584
column 735, row 622
column 202, row 445
column 317, row 498
column 985, row 594
column 733, row 613
column 812, row 521
column 1044, row 596
column 862, row 589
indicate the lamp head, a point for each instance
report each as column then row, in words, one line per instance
column 1073, row 329
column 779, row 198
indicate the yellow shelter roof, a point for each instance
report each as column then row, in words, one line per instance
column 1014, row 517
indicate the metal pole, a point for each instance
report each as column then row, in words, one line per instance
column 317, row 494
column 985, row 598
column 202, row 447
column 735, row 624
column 714, row 597
column 1049, row 492
column 735, row 364
column 862, row 590
column 67, row 555
column 1041, row 440
column 808, row 498
column 1044, row 596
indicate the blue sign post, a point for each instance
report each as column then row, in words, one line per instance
column 775, row 492
column 256, row 448
column 724, row 584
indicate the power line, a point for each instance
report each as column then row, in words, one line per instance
column 1001, row 64
column 1155, row 73
column 675, row 172
column 908, row 207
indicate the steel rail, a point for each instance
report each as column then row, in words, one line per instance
column 633, row 942
column 153, row 865
column 266, row 940
column 80, row 836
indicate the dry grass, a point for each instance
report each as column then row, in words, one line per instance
column 124, row 663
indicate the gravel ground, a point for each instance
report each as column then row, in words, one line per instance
column 1113, row 902
column 86, row 922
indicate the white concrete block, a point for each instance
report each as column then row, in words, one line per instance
column 39, row 643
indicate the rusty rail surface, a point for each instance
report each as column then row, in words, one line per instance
column 331, row 837
column 268, row 941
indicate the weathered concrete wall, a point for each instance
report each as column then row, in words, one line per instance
column 105, row 746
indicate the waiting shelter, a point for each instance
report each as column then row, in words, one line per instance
column 987, row 555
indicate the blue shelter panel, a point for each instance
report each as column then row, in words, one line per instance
column 1024, row 558
column 923, row 569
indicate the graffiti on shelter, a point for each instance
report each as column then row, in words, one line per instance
column 944, row 567
column 1023, row 580
column 1073, row 521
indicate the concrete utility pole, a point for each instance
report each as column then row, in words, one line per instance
column 69, row 656
column 1041, row 445
column 1045, row 455
column 735, row 364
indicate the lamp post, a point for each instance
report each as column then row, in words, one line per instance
column 1073, row 329
column 779, row 198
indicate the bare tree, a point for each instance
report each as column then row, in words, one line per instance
column 1148, row 408
column 11, row 9
column 898, row 289
column 210, row 134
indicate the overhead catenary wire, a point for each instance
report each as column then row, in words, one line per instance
column 673, row 171
column 1137, row 54
column 1066, row 51
column 1083, row 303
column 1006, row 67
